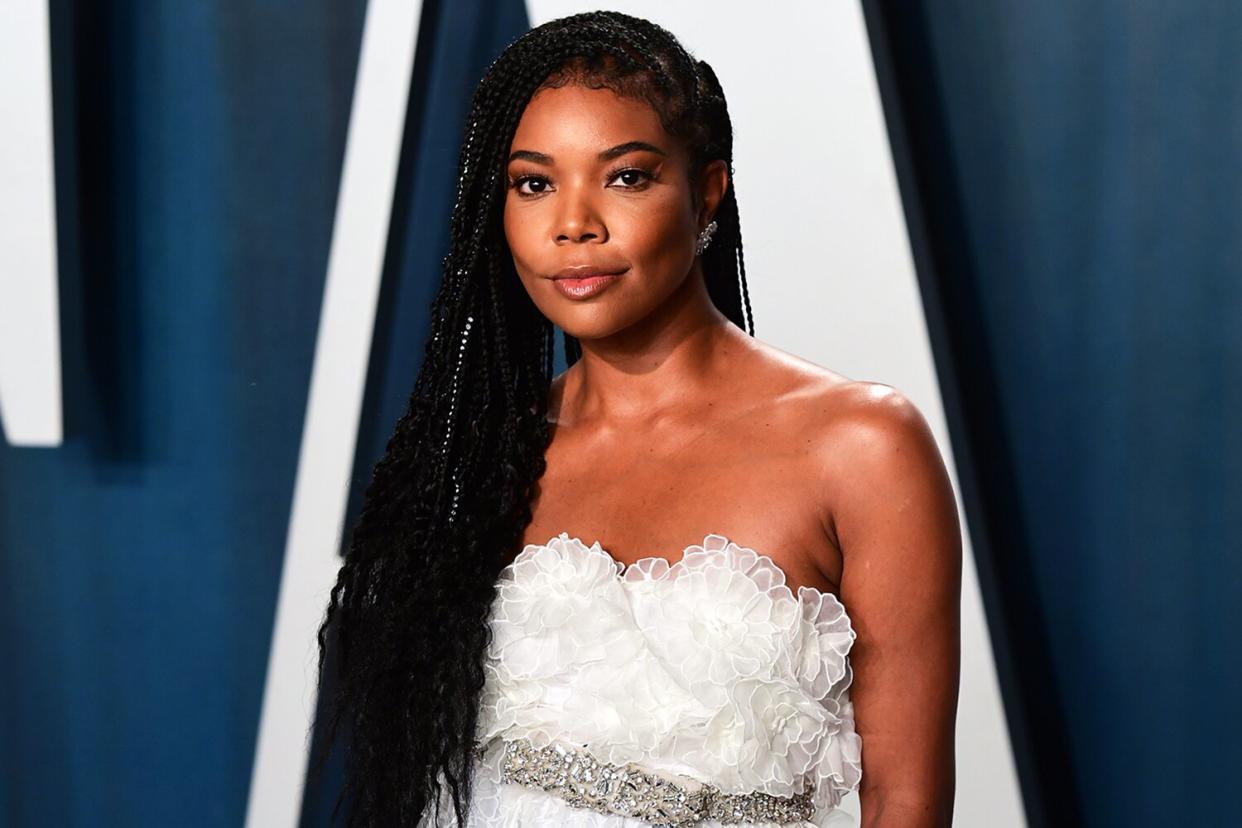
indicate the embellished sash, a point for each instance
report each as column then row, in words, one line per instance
column 632, row 791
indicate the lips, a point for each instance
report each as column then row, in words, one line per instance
column 585, row 281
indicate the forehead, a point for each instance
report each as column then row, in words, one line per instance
column 572, row 118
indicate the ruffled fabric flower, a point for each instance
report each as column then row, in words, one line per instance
column 764, row 738
column 838, row 765
column 825, row 639
column 720, row 614
column 558, row 610
column 546, row 594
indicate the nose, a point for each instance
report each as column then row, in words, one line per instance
column 578, row 219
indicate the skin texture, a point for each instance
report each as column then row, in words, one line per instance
column 675, row 424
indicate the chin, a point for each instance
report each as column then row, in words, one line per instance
column 593, row 323
column 587, row 331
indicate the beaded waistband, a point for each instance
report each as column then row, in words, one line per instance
column 629, row 790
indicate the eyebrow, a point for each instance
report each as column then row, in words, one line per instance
column 606, row 155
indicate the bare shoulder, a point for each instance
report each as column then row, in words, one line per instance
column 873, row 441
column 854, row 427
column 828, row 399
column 880, row 479
column 886, row 486
column 875, row 420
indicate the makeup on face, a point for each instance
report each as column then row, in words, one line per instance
column 584, row 287
column 599, row 214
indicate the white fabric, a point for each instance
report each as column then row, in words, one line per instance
column 709, row 667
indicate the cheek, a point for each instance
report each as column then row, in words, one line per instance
column 656, row 238
column 522, row 245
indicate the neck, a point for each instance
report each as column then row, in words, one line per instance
column 678, row 353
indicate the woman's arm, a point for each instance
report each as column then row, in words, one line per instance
column 896, row 524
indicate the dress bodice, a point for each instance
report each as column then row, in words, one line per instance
column 709, row 668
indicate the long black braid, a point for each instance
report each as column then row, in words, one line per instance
column 449, row 500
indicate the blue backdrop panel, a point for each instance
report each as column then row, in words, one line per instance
column 1075, row 183
column 198, row 151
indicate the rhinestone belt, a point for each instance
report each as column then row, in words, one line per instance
column 628, row 790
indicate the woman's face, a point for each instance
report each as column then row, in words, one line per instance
column 596, row 186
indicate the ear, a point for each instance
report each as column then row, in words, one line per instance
column 713, row 182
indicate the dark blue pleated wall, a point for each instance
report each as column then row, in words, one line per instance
column 1073, row 176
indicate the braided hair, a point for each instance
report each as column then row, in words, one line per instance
column 449, row 500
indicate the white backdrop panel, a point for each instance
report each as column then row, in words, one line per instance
column 30, row 376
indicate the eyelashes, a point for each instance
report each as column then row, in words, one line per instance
column 644, row 178
column 523, row 179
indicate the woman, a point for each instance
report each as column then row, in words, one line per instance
column 644, row 563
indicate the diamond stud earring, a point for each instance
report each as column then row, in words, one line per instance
column 705, row 238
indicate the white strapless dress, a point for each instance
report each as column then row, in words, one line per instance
column 706, row 673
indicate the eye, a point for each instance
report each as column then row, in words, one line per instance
column 538, row 182
column 633, row 177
